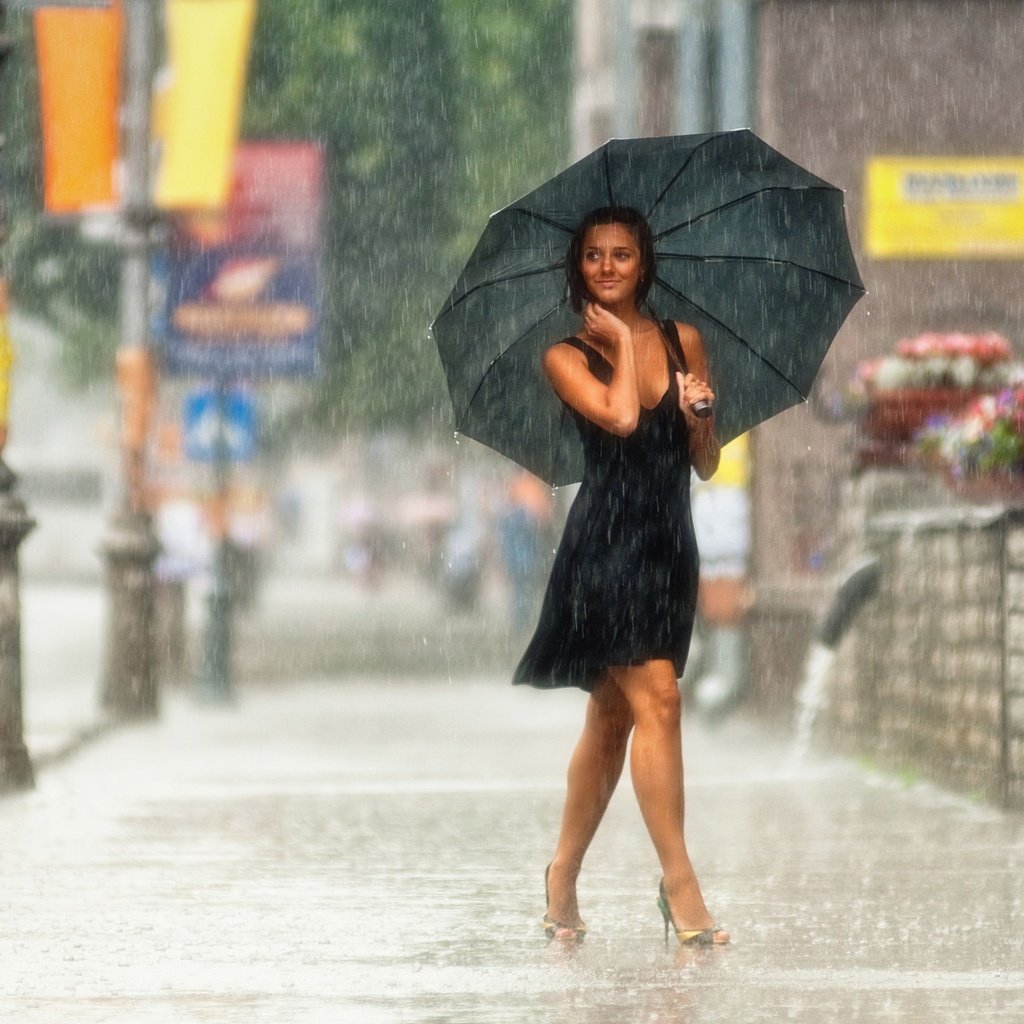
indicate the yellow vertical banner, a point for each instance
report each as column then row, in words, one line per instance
column 79, row 53
column 6, row 362
column 198, row 114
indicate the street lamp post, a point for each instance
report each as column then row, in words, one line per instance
column 15, row 524
column 129, row 688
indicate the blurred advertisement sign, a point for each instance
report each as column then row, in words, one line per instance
column 945, row 207
column 219, row 425
column 242, row 292
column 79, row 53
column 197, row 110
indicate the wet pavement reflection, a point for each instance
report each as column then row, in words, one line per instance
column 374, row 851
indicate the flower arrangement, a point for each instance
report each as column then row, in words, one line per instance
column 968, row 362
column 986, row 439
column 927, row 376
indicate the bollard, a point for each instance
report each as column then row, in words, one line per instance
column 215, row 685
column 130, row 548
column 15, row 524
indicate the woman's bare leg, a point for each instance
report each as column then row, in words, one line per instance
column 594, row 771
column 656, row 765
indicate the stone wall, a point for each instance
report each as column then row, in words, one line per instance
column 930, row 680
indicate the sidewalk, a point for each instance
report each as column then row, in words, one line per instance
column 62, row 641
column 373, row 852
column 302, row 627
column 368, row 849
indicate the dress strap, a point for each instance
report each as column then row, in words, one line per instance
column 596, row 363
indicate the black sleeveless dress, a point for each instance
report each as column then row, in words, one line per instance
column 623, row 587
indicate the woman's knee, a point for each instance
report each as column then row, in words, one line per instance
column 665, row 705
column 653, row 695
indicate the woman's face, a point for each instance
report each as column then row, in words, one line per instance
column 610, row 264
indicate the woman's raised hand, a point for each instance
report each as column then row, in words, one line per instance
column 604, row 327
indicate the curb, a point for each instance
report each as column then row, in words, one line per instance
column 72, row 744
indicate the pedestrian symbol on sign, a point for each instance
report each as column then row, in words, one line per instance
column 219, row 420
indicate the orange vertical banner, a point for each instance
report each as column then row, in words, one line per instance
column 79, row 52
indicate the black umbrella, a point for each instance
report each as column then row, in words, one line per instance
column 751, row 249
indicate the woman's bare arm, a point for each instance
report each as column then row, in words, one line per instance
column 614, row 406
column 693, row 387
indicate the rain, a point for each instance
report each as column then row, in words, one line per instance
column 288, row 500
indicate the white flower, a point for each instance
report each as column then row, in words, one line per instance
column 893, row 373
column 963, row 371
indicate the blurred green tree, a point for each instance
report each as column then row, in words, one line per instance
column 431, row 115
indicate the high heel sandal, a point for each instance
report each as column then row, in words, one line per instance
column 553, row 927
column 694, row 937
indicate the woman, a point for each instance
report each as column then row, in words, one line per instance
column 620, row 602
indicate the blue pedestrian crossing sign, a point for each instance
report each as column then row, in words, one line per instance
column 219, row 424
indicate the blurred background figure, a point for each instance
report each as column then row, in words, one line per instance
column 361, row 527
column 464, row 547
column 185, row 553
column 426, row 516
column 524, row 529
column 717, row 672
column 249, row 536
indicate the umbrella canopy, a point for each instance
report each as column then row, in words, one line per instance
column 751, row 248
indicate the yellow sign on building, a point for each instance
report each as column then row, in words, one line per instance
column 945, row 207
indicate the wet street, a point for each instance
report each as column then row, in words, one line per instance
column 369, row 850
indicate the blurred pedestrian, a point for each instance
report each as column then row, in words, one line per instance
column 248, row 537
column 621, row 599
column 462, row 551
column 185, row 554
column 523, row 524
column 721, row 519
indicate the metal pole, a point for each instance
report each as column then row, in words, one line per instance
column 623, row 43
column 734, row 70
column 15, row 523
column 129, row 687
column 693, row 108
column 215, row 663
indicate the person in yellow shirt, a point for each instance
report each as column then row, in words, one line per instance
column 6, row 362
column 721, row 518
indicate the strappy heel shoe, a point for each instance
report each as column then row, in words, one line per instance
column 552, row 928
column 694, row 937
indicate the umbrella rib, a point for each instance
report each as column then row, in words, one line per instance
column 500, row 280
column 526, row 211
column 746, row 344
column 536, row 323
column 737, row 201
column 677, row 175
column 757, row 259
